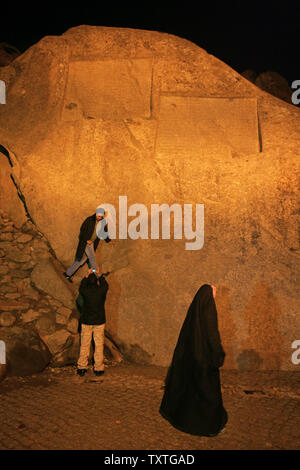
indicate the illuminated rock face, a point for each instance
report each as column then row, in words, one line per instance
column 108, row 89
column 102, row 112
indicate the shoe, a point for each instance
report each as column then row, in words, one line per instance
column 98, row 373
column 81, row 372
column 68, row 277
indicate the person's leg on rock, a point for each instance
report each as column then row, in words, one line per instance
column 72, row 269
column 90, row 253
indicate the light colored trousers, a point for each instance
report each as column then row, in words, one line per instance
column 87, row 331
column 89, row 255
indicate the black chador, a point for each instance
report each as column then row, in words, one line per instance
column 192, row 400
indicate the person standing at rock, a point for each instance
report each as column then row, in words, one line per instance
column 93, row 228
column 93, row 289
column 192, row 401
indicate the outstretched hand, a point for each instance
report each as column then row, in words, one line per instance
column 89, row 272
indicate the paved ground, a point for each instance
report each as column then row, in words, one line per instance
column 58, row 410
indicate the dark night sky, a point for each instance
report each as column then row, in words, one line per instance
column 245, row 34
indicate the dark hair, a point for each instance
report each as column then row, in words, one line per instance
column 92, row 279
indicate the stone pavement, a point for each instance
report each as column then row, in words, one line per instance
column 119, row 411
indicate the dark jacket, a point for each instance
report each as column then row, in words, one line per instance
column 86, row 232
column 92, row 310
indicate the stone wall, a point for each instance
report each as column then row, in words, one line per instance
column 37, row 327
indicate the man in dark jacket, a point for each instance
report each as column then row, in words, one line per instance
column 93, row 228
column 93, row 290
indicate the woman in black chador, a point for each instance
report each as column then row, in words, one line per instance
column 192, row 400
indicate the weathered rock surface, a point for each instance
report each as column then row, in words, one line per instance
column 13, row 295
column 45, row 325
column 24, row 287
column 56, row 341
column 16, row 254
column 102, row 112
column 26, row 354
column 30, row 316
column 46, row 279
column 24, row 238
column 68, row 355
column 7, row 319
column 13, row 305
column 72, row 325
column 64, row 312
column 3, row 270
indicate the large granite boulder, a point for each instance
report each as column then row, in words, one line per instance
column 99, row 113
column 272, row 82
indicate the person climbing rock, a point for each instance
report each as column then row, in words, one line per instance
column 92, row 230
column 93, row 289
